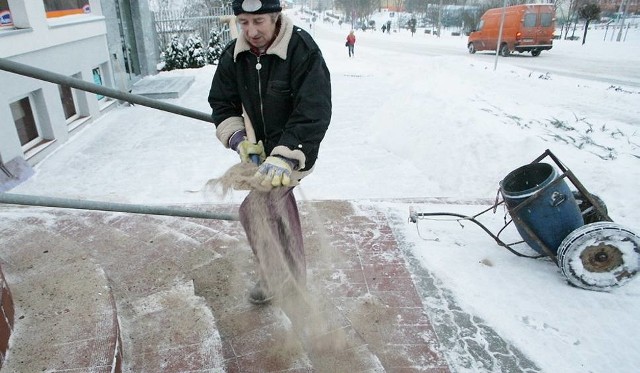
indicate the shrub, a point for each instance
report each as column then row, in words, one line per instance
column 214, row 48
column 174, row 56
column 191, row 53
column 195, row 55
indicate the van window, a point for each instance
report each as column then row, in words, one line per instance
column 530, row 19
column 546, row 19
column 480, row 25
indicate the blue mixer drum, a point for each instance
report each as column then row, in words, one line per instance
column 551, row 215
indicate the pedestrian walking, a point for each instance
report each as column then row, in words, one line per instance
column 274, row 72
column 351, row 42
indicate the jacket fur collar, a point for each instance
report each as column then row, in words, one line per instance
column 278, row 47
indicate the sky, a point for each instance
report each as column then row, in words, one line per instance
column 432, row 133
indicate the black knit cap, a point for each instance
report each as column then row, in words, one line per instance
column 256, row 6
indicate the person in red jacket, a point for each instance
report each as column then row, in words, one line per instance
column 351, row 42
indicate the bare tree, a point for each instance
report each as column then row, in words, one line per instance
column 573, row 16
column 558, row 4
column 159, row 5
column 358, row 9
column 589, row 12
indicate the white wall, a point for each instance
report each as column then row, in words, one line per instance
column 71, row 45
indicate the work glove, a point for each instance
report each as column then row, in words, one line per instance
column 275, row 171
column 249, row 151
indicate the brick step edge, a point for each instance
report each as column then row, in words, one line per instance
column 6, row 316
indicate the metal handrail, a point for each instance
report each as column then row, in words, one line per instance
column 49, row 76
column 31, row 200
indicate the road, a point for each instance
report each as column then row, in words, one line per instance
column 618, row 65
column 624, row 72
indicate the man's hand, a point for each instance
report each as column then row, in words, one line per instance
column 246, row 149
column 275, row 171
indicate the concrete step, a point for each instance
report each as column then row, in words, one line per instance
column 65, row 314
column 165, row 326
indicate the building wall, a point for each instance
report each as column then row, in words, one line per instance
column 132, row 40
column 613, row 6
column 146, row 38
column 72, row 45
column 123, row 79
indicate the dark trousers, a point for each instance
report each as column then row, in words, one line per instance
column 351, row 50
column 272, row 224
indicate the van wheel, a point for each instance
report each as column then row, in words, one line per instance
column 535, row 53
column 504, row 50
column 472, row 48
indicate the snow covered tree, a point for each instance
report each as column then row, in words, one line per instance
column 214, row 48
column 174, row 56
column 192, row 53
column 195, row 55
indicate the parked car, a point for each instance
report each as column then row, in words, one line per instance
column 527, row 28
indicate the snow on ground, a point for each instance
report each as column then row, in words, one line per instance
column 415, row 125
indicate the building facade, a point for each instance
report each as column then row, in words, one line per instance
column 630, row 7
column 109, row 44
column 38, row 116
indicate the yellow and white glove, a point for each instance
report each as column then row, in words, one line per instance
column 275, row 171
column 248, row 151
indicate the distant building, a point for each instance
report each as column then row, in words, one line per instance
column 613, row 6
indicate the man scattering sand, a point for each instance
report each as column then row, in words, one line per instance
column 271, row 102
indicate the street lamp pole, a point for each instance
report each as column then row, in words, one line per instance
column 622, row 11
column 504, row 11
column 440, row 19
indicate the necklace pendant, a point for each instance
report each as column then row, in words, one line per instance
column 258, row 66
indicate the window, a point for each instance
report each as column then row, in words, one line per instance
column 60, row 8
column 5, row 14
column 97, row 79
column 67, row 96
column 25, row 122
column 546, row 19
column 530, row 19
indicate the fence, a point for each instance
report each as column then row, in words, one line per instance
column 179, row 23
